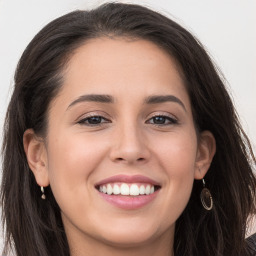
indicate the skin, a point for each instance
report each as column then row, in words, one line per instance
column 75, row 156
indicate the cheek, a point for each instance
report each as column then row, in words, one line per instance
column 181, row 166
column 177, row 157
column 177, row 153
column 71, row 161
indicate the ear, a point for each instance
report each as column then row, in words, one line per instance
column 36, row 156
column 205, row 153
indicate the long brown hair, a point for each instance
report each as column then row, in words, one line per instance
column 34, row 227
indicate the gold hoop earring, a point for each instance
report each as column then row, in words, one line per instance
column 43, row 195
column 206, row 198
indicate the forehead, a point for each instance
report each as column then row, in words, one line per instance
column 119, row 55
column 111, row 66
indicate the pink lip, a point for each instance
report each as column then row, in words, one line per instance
column 128, row 179
column 128, row 202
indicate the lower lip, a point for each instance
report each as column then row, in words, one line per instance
column 129, row 202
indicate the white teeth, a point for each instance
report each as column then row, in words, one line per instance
column 142, row 190
column 134, row 190
column 147, row 190
column 125, row 189
column 109, row 189
column 116, row 190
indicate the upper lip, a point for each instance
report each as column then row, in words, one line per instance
column 128, row 179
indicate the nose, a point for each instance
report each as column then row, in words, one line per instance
column 129, row 146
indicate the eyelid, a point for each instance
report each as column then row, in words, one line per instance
column 92, row 114
column 172, row 120
column 88, row 117
column 160, row 113
column 107, row 119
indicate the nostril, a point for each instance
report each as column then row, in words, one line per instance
column 120, row 159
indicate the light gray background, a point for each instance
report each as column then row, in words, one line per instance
column 227, row 28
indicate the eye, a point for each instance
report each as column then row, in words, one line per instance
column 162, row 120
column 93, row 120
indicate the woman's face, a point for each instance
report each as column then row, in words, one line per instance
column 122, row 151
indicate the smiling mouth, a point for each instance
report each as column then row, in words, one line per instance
column 128, row 189
column 128, row 192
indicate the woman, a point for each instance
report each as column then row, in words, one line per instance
column 121, row 139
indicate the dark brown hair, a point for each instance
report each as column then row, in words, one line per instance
column 34, row 226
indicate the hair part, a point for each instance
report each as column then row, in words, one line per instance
column 34, row 226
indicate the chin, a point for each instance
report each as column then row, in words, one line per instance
column 133, row 235
column 126, row 239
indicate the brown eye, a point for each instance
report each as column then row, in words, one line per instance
column 93, row 120
column 159, row 120
column 162, row 120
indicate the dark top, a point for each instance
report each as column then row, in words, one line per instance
column 251, row 241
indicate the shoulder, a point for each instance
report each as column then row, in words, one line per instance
column 251, row 243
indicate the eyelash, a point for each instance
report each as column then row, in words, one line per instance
column 171, row 120
column 86, row 121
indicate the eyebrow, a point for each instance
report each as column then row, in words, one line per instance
column 103, row 98
column 156, row 99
